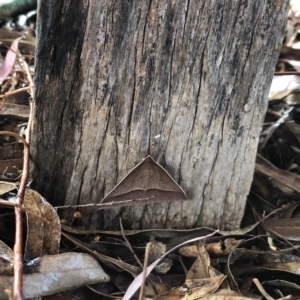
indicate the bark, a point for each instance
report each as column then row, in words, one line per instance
column 188, row 80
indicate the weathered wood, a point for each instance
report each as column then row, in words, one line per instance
column 15, row 111
column 187, row 80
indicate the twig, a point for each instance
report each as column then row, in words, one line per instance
column 18, row 253
column 128, row 244
column 286, row 297
column 128, row 268
column 266, row 134
column 2, row 104
column 77, row 206
column 23, row 209
column 24, row 89
column 147, row 251
column 261, row 289
column 31, row 102
column 8, row 292
column 112, row 204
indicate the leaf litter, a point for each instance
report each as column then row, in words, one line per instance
column 259, row 261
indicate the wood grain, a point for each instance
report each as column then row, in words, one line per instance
column 111, row 76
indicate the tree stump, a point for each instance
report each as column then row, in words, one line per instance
column 184, row 80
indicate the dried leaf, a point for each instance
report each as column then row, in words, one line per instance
column 109, row 261
column 200, row 267
column 219, row 249
column 135, row 285
column 294, row 128
column 272, row 264
column 203, row 287
column 286, row 178
column 216, row 249
column 201, row 279
column 282, row 86
column 41, row 237
column 286, row 228
column 6, row 253
column 283, row 284
column 227, row 295
column 176, row 236
column 6, row 187
column 57, row 273
column 157, row 249
column 10, row 58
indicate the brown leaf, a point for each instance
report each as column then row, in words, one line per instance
column 157, row 249
column 109, row 261
column 266, row 264
column 41, row 238
column 136, row 284
column 201, row 279
column 6, row 252
column 216, row 249
column 6, row 187
column 287, row 228
column 286, row 178
column 227, row 295
column 219, row 249
column 202, row 287
column 199, row 269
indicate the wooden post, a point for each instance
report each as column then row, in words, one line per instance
column 188, row 80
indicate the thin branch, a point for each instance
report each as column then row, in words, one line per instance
column 266, row 134
column 24, row 209
column 108, row 205
column 146, row 260
column 261, row 289
column 31, row 102
column 3, row 102
column 18, row 253
column 24, row 89
column 128, row 244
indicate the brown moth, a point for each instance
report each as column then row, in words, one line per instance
column 147, row 183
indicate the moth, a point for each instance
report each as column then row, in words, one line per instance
column 147, row 183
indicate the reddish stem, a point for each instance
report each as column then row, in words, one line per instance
column 18, row 253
